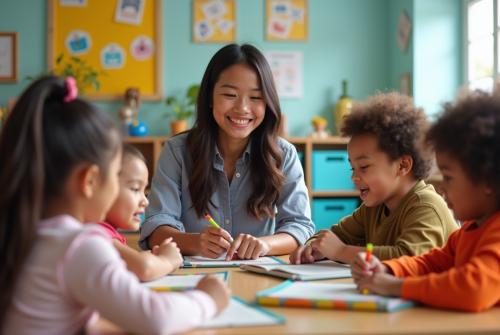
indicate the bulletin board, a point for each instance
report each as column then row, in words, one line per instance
column 214, row 21
column 287, row 20
column 127, row 48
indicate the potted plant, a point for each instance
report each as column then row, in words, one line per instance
column 181, row 109
column 84, row 74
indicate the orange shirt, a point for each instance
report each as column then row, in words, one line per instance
column 463, row 275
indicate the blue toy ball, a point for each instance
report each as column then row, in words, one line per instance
column 138, row 128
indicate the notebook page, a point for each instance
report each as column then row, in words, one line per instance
column 314, row 269
column 323, row 291
column 180, row 281
column 238, row 314
column 221, row 260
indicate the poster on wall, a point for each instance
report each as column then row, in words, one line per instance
column 286, row 20
column 142, row 48
column 130, row 11
column 214, row 21
column 73, row 3
column 112, row 56
column 287, row 72
column 403, row 31
column 8, row 57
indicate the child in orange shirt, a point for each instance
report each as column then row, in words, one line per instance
column 465, row 273
column 126, row 214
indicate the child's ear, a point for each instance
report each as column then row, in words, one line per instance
column 89, row 180
column 405, row 165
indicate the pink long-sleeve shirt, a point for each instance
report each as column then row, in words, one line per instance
column 74, row 273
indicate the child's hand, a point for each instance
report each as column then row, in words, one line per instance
column 168, row 251
column 248, row 247
column 217, row 289
column 381, row 284
column 328, row 244
column 305, row 254
column 360, row 268
column 213, row 242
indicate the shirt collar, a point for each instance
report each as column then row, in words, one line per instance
column 246, row 154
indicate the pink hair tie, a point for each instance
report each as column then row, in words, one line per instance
column 72, row 89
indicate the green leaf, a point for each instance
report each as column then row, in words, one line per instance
column 188, row 114
column 170, row 101
column 76, row 60
column 177, row 109
column 59, row 59
column 96, row 85
column 192, row 94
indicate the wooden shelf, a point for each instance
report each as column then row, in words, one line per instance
column 335, row 194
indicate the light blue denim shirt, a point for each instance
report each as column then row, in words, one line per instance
column 170, row 201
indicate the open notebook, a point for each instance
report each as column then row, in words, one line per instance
column 181, row 282
column 240, row 313
column 202, row 262
column 313, row 271
column 327, row 295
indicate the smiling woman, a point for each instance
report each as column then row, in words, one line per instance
column 233, row 166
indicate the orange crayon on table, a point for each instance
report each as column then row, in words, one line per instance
column 369, row 249
column 214, row 223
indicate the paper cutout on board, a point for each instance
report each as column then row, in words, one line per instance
column 280, row 8
column 130, row 11
column 403, row 31
column 112, row 56
column 279, row 27
column 78, row 42
column 287, row 67
column 73, row 3
column 142, row 48
column 224, row 25
column 297, row 14
column 203, row 30
column 214, row 9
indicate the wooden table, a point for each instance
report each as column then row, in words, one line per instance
column 419, row 320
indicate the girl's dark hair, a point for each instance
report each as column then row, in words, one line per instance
column 469, row 130
column 131, row 151
column 41, row 143
column 265, row 156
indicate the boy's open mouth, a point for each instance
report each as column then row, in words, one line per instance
column 363, row 192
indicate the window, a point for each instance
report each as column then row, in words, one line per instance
column 482, row 43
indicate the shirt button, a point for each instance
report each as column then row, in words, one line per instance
column 238, row 175
column 226, row 221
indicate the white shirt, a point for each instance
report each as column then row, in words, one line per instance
column 73, row 272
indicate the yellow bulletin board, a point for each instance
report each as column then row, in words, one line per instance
column 214, row 21
column 287, row 20
column 128, row 52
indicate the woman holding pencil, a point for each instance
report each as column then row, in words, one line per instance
column 233, row 167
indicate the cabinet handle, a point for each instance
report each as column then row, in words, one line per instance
column 334, row 158
column 335, row 208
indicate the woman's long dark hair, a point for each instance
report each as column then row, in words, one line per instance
column 41, row 142
column 265, row 156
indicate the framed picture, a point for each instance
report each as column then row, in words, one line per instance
column 8, row 57
column 214, row 21
column 287, row 20
column 403, row 31
column 405, row 84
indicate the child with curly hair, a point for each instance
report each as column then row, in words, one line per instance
column 401, row 215
column 465, row 273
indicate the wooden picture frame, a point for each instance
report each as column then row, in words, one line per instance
column 287, row 20
column 9, row 57
column 152, row 78
column 216, row 24
column 404, row 84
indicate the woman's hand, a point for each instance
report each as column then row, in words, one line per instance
column 305, row 254
column 248, row 247
column 213, row 242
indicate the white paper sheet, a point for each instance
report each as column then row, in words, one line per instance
column 180, row 281
column 239, row 314
column 198, row 260
column 318, row 269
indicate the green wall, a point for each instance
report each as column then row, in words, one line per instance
column 348, row 39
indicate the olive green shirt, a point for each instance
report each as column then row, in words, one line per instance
column 421, row 221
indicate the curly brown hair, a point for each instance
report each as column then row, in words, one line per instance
column 396, row 122
column 469, row 130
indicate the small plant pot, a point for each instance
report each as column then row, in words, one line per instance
column 178, row 126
